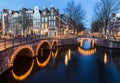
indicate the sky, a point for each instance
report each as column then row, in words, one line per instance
column 87, row 5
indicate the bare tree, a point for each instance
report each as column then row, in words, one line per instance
column 104, row 9
column 96, row 25
column 75, row 15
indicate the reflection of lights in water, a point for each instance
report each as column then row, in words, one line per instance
column 87, row 52
column 45, row 62
column 66, row 59
column 105, row 58
column 55, row 54
column 81, row 43
column 93, row 43
column 67, row 56
column 24, row 76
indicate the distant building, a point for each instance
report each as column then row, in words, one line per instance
column 114, row 25
column 0, row 25
column 28, row 21
column 14, row 25
column 4, row 22
column 63, row 30
column 50, row 21
column 37, row 21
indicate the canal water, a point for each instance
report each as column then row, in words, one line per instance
column 67, row 64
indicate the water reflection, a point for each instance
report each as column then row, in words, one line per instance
column 55, row 52
column 24, row 76
column 67, row 56
column 105, row 58
column 87, row 47
column 86, row 52
column 42, row 61
column 43, row 64
column 87, row 44
column 79, row 69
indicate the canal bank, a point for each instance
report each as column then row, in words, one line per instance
column 107, row 43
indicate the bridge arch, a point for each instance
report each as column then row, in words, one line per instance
column 81, row 40
column 42, row 44
column 54, row 44
column 21, row 51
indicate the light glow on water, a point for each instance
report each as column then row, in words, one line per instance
column 24, row 76
column 45, row 62
column 86, row 52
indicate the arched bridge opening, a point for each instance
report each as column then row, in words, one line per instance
column 22, row 51
column 87, row 41
column 43, row 45
column 43, row 53
column 54, row 44
column 54, row 48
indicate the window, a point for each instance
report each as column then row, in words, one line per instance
column 46, row 25
column 36, row 23
column 42, row 25
column 44, row 13
column 45, row 19
column 49, row 18
column 54, row 18
column 118, row 18
column 49, row 23
column 54, row 23
column 42, row 19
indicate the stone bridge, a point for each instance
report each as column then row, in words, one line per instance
column 92, row 40
column 30, row 49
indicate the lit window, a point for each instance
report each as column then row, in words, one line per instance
column 42, row 25
column 46, row 25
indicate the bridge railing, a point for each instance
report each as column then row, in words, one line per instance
column 7, row 43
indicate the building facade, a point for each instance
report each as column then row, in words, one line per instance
column 0, row 25
column 39, row 22
column 63, row 30
column 114, row 25
column 36, row 21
